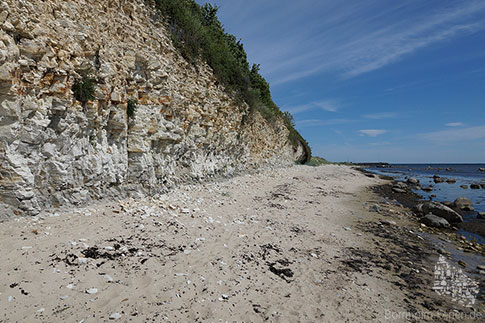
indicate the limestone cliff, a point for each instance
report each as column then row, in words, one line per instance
column 56, row 150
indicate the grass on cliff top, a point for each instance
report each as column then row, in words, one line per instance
column 199, row 35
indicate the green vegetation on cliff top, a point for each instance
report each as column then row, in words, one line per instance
column 198, row 34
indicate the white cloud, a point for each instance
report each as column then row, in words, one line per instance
column 349, row 38
column 299, row 108
column 318, row 122
column 455, row 135
column 372, row 132
column 382, row 115
column 454, row 124
column 396, row 46
column 327, row 105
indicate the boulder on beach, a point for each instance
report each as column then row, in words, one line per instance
column 475, row 186
column 441, row 210
column 464, row 186
column 448, row 203
column 413, row 181
column 432, row 220
column 464, row 204
column 451, row 181
column 427, row 188
column 400, row 185
column 481, row 215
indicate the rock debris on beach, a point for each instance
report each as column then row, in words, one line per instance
column 289, row 244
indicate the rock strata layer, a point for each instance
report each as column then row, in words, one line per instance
column 57, row 150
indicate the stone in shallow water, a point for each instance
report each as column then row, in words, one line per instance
column 412, row 180
column 464, row 203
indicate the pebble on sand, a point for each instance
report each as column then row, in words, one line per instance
column 114, row 316
column 82, row 261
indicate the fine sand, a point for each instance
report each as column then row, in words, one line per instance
column 287, row 245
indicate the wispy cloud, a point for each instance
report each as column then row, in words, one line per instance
column 382, row 143
column 327, row 105
column 454, row 124
column 455, row 135
column 394, row 47
column 379, row 116
column 372, row 132
column 318, row 122
column 350, row 38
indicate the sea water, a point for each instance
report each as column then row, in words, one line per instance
column 464, row 174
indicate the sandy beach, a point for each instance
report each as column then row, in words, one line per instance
column 296, row 244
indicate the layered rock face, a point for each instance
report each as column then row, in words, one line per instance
column 56, row 150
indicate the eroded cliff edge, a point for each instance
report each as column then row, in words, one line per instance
column 55, row 150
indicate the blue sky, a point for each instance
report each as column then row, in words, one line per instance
column 374, row 80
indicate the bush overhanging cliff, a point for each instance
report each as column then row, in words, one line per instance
column 198, row 34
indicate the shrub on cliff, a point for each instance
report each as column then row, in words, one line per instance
column 198, row 34
column 131, row 108
column 84, row 88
